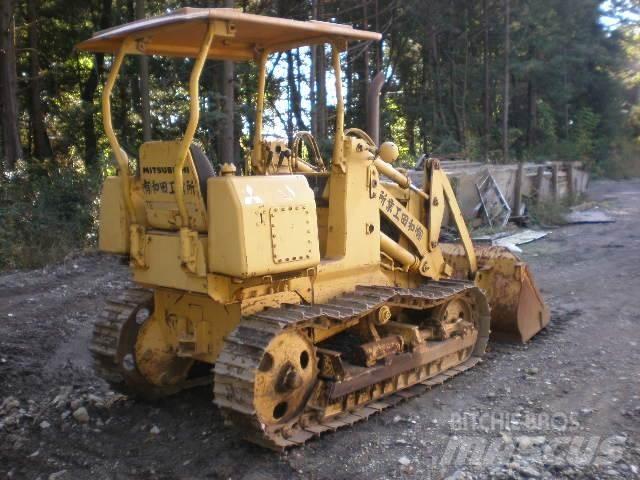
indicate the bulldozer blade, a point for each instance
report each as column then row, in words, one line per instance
column 518, row 311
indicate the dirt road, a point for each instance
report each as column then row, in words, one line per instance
column 567, row 404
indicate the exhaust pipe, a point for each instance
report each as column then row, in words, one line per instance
column 373, row 107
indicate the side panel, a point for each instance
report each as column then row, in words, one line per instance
column 162, row 255
column 261, row 225
column 354, row 221
column 113, row 235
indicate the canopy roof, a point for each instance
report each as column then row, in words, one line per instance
column 238, row 35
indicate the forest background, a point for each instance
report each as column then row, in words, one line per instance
column 493, row 80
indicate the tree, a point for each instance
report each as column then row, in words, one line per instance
column 459, row 77
column 320, row 65
column 228, row 90
column 520, row 79
column 145, row 106
column 507, row 81
column 41, row 143
column 88, row 93
column 486, row 89
column 12, row 148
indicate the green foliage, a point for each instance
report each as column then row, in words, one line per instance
column 398, row 130
column 547, row 124
column 566, row 98
column 46, row 212
column 585, row 133
column 573, row 95
column 548, row 213
column 623, row 160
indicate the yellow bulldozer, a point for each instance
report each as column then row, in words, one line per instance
column 319, row 294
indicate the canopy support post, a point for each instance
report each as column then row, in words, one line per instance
column 194, row 117
column 121, row 157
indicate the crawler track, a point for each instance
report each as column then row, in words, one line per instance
column 109, row 330
column 235, row 369
column 113, row 345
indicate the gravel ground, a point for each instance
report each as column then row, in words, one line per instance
column 565, row 405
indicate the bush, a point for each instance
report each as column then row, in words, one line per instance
column 549, row 213
column 46, row 212
column 623, row 160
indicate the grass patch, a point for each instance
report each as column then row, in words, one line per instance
column 549, row 213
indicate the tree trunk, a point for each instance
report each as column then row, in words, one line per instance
column 453, row 101
column 487, row 88
column 290, row 82
column 532, row 114
column 88, row 125
column 465, row 78
column 295, row 103
column 41, row 143
column 507, row 51
column 321, row 82
column 411, row 137
column 126, row 87
column 348, row 75
column 228, row 137
column 365, row 79
column 145, row 108
column 12, row 148
column 424, row 95
column 379, row 53
column 312, row 93
column 434, row 61
column 298, row 88
column 322, row 91
column 87, row 94
column 565, row 89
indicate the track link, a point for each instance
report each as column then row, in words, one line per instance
column 235, row 369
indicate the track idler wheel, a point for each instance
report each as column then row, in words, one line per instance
column 455, row 317
column 129, row 352
column 285, row 379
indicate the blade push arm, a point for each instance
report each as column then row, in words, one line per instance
column 438, row 180
column 425, row 239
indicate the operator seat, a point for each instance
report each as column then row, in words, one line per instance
column 204, row 168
